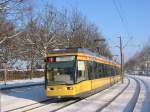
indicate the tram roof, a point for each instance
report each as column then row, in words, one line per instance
column 77, row 50
column 73, row 50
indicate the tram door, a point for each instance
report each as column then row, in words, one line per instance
column 82, row 76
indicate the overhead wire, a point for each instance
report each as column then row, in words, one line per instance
column 123, row 19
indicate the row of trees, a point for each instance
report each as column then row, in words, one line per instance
column 140, row 61
column 26, row 36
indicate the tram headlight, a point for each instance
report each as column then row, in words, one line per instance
column 69, row 88
column 49, row 89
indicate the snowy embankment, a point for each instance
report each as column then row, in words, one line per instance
column 145, row 98
column 20, row 83
column 19, row 97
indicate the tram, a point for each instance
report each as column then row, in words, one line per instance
column 78, row 72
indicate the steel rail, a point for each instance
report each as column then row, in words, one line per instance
column 146, row 103
column 43, row 103
column 105, row 105
column 134, row 99
column 83, row 99
column 39, row 104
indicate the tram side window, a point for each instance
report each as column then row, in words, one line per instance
column 103, row 70
column 82, row 71
column 105, row 67
column 90, row 70
column 112, row 71
column 96, row 71
column 109, row 70
column 99, row 70
column 118, row 71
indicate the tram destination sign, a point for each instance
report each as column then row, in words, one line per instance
column 61, row 58
column 65, row 58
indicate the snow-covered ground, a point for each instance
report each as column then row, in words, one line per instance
column 122, row 101
column 15, row 98
column 146, row 83
column 94, row 103
column 15, row 83
column 90, row 104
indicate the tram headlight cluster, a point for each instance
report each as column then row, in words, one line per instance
column 69, row 88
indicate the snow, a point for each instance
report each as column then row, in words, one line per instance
column 93, row 103
column 15, row 98
column 52, row 107
column 146, row 81
column 122, row 101
column 142, row 97
column 24, row 96
column 90, row 104
column 14, row 83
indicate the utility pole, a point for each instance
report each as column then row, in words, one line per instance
column 121, row 59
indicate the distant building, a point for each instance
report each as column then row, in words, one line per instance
column 147, row 66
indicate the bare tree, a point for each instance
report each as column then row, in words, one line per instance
column 28, row 36
column 139, row 60
column 9, row 10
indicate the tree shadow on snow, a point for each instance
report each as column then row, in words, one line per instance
column 35, row 93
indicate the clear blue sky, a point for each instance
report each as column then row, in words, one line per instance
column 136, row 17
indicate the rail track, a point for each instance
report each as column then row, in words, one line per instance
column 85, row 98
column 46, row 102
column 134, row 99
column 30, row 106
column 105, row 105
column 43, row 103
column 63, row 103
column 130, row 106
column 146, row 107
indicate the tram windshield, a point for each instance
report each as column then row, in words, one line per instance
column 61, row 72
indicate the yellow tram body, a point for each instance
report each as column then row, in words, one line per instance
column 91, row 81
